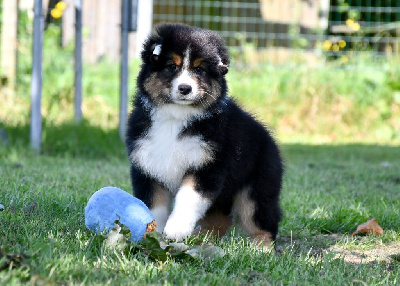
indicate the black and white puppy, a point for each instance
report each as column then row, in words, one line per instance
column 190, row 144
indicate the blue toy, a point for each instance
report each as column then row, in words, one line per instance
column 105, row 205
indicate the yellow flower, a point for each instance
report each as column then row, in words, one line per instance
column 356, row 27
column 353, row 25
column 349, row 22
column 327, row 45
column 61, row 5
column 342, row 44
column 56, row 13
column 344, row 59
column 335, row 48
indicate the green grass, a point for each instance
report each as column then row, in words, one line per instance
column 328, row 189
column 326, row 105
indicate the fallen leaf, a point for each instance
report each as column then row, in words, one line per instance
column 152, row 248
column 369, row 227
column 153, row 245
column 116, row 237
column 178, row 247
column 206, row 251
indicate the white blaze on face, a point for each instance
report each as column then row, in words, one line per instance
column 184, row 78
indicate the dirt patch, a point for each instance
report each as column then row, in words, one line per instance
column 354, row 253
column 388, row 253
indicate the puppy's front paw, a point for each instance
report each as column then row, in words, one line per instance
column 177, row 229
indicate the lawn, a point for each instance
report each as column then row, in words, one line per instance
column 328, row 190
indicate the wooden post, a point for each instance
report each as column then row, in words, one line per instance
column 324, row 14
column 36, row 86
column 144, row 23
column 78, row 61
column 8, row 41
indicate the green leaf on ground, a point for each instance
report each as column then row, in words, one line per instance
column 156, row 247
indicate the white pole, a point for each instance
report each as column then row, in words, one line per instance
column 144, row 22
column 324, row 18
column 36, row 86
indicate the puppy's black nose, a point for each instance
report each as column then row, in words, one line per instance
column 184, row 89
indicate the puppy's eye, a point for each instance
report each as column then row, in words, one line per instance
column 199, row 70
column 172, row 67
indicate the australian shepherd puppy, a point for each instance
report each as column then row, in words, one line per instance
column 192, row 147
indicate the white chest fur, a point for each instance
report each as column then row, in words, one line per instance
column 166, row 156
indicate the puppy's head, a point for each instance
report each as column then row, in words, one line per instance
column 183, row 65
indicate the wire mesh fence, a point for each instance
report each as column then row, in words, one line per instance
column 275, row 30
column 58, row 58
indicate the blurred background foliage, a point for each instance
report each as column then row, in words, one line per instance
column 332, row 101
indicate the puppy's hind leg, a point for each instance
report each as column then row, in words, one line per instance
column 259, row 218
column 214, row 223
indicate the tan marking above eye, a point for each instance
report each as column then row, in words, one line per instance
column 197, row 62
column 177, row 59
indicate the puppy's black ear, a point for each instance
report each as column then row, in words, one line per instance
column 151, row 49
column 156, row 53
column 222, row 68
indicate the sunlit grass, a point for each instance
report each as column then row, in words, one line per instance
column 328, row 190
column 302, row 105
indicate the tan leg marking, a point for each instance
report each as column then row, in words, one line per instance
column 263, row 240
column 161, row 196
column 215, row 223
column 161, row 205
column 244, row 208
column 189, row 181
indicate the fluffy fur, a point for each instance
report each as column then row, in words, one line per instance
column 188, row 142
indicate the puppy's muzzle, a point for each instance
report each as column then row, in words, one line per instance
column 184, row 89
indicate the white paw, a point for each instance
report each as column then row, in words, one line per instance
column 177, row 229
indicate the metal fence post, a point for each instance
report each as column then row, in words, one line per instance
column 36, row 85
column 78, row 61
column 124, row 69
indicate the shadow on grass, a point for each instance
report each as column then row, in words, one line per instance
column 343, row 247
column 88, row 141
column 68, row 139
column 339, row 153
